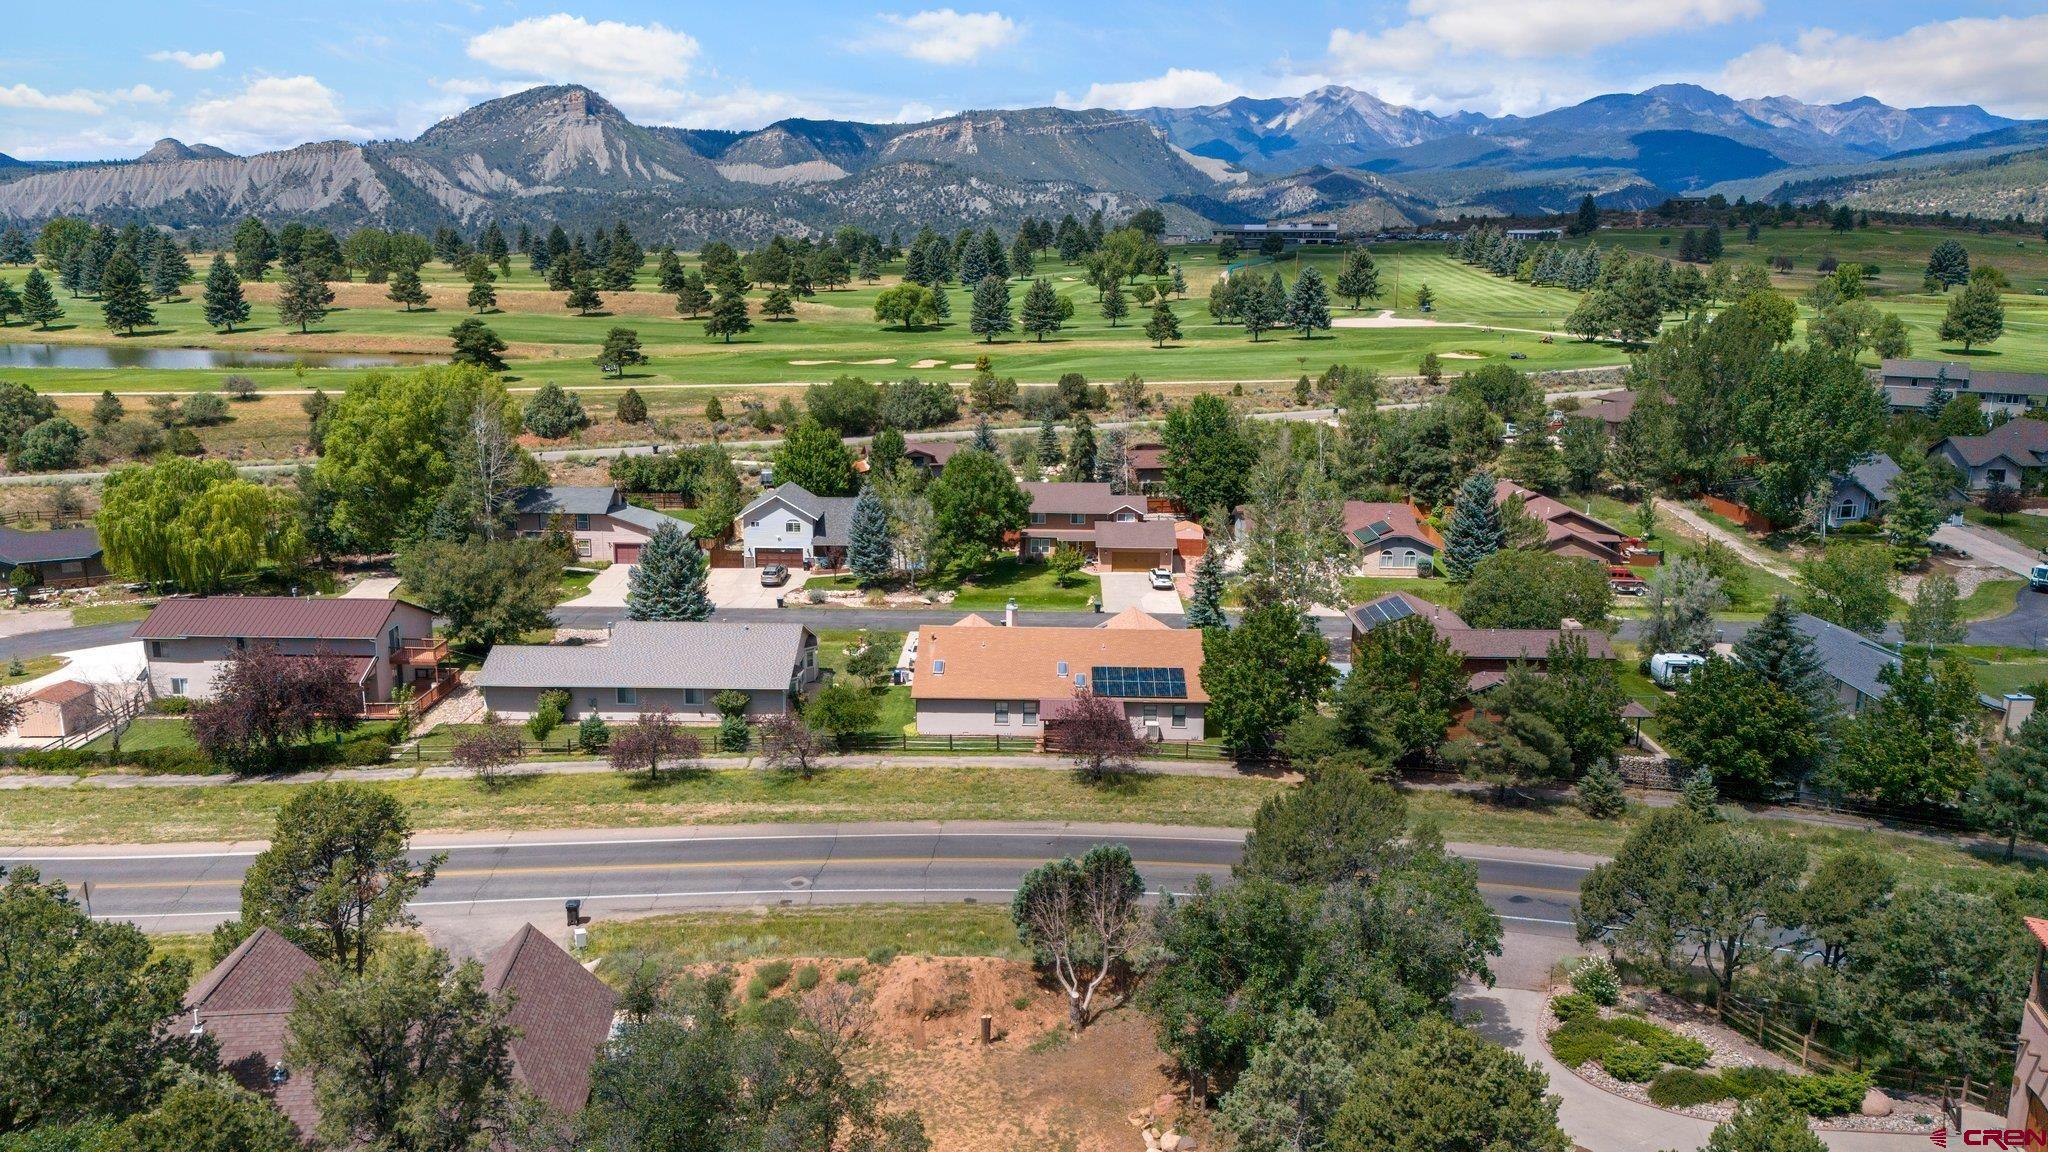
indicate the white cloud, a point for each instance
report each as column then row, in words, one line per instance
column 1530, row 28
column 196, row 61
column 1178, row 88
column 271, row 112
column 943, row 36
column 2000, row 62
column 745, row 108
column 635, row 66
column 138, row 94
column 916, row 112
column 32, row 99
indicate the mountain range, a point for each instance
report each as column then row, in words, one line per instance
column 564, row 153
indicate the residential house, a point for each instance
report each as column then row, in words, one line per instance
column 385, row 642
column 1487, row 653
column 1111, row 530
column 788, row 525
column 599, row 521
column 61, row 558
column 561, row 1016
column 2027, row 1107
column 1610, row 408
column 1391, row 538
column 1148, row 466
column 2005, row 455
column 1566, row 530
column 1862, row 492
column 653, row 665
column 1908, row 385
column 1852, row 661
column 975, row 678
column 931, row 455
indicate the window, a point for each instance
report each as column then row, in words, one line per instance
column 1076, row 518
column 1063, row 668
column 391, row 638
column 1387, row 558
column 630, row 696
column 1002, row 711
column 1847, row 511
column 792, row 526
column 583, row 546
column 1180, row 715
column 177, row 685
column 1151, row 713
column 582, row 522
column 692, row 696
column 241, row 644
column 938, row 667
column 1030, row 713
column 71, row 567
column 1038, row 517
column 1994, row 475
column 156, row 649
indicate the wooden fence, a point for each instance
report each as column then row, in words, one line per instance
column 1769, row 1028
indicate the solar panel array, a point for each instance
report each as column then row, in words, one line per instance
column 1373, row 532
column 1141, row 683
column 1385, row 611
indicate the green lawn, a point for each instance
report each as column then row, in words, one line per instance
column 122, row 613
column 148, row 732
column 31, row 668
column 2029, row 531
column 1991, row 599
column 897, row 711
column 575, row 582
column 827, row 932
column 1359, row 589
column 1031, row 585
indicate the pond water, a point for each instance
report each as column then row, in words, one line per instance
column 102, row 356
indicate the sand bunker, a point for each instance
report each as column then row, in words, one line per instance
column 883, row 360
column 811, row 363
column 963, row 367
column 929, row 364
column 1460, row 356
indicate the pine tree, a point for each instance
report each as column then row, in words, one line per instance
column 406, row 289
column 107, row 410
column 1602, row 794
column 10, row 301
column 1259, row 303
column 1778, row 651
column 1163, row 324
column 778, row 306
column 942, row 304
column 668, row 271
column 984, row 436
column 583, row 295
column 15, row 248
column 869, row 271
column 1179, row 284
column 1048, row 443
column 222, row 300
column 483, row 295
column 1587, row 221
column 990, row 315
column 38, row 301
column 123, row 299
column 168, row 270
column 1358, row 278
column 1114, row 306
column 1205, row 601
column 692, row 297
column 621, row 351
column 1041, row 310
column 1308, row 306
column 1474, row 531
column 632, row 409
column 1081, row 449
column 1975, row 316
column 728, row 316
column 304, row 299
column 475, row 343
column 1700, row 796
column 869, row 551
column 671, row 581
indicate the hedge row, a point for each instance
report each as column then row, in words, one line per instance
column 1818, row 1094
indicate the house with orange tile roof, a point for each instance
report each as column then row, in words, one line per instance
column 975, row 678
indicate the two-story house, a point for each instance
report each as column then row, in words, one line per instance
column 599, row 521
column 1909, row 384
column 2006, row 455
column 1862, row 492
column 1111, row 530
column 789, row 525
column 385, row 642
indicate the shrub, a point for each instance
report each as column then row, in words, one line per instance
column 1597, row 980
column 1631, row 1063
column 757, row 989
column 849, row 974
column 807, row 978
column 593, row 733
column 1827, row 1094
column 1751, row 1081
column 774, row 973
column 364, row 751
column 1668, row 1046
column 1579, row 1041
column 548, row 713
column 1574, row 1006
column 1684, row 1088
column 733, row 734
column 171, row 705
column 880, row 955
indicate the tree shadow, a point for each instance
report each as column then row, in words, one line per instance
column 1973, row 353
column 144, row 332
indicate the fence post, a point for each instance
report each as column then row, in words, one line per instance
column 1806, row 1043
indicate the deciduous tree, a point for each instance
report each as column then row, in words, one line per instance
column 1080, row 919
column 490, row 591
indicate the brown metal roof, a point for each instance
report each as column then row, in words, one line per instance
column 62, row 692
column 563, row 1015
column 268, row 618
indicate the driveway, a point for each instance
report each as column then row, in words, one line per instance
column 741, row 588
column 1121, row 590
column 1988, row 545
column 607, row 589
column 373, row 588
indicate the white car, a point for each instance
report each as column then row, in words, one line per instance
column 1162, row 579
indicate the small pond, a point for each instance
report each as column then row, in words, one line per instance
column 102, row 356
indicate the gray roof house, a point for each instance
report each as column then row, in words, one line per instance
column 2003, row 455
column 1853, row 661
column 61, row 558
column 654, row 665
column 1908, row 384
column 791, row 525
column 599, row 521
column 1863, row 491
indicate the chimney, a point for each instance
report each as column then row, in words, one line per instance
column 1570, row 625
column 2018, row 708
column 1010, row 612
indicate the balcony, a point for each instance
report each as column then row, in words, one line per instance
column 420, row 653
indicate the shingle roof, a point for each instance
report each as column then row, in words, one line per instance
column 1023, row 663
column 829, row 515
column 647, row 519
column 18, row 547
column 565, row 500
column 1848, row 657
column 1519, row 643
column 243, row 1004
column 657, row 654
column 268, row 618
column 2024, row 440
column 1609, row 407
column 1400, row 605
column 1965, row 378
column 1874, row 476
column 1145, row 535
column 1090, row 499
column 561, row 1012
column 940, row 451
column 62, row 692
column 1367, row 524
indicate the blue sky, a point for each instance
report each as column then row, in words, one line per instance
column 107, row 79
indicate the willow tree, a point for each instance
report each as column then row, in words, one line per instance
column 195, row 525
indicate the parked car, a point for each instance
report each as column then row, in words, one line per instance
column 774, row 576
column 1624, row 581
column 1162, row 579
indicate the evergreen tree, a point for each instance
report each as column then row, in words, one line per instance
column 1474, row 531
column 869, row 551
column 991, row 311
column 672, row 579
column 476, row 344
column 255, row 248
column 1308, row 306
column 15, row 248
column 168, row 270
column 1081, row 450
column 1048, row 443
column 123, row 299
column 984, row 436
column 1587, row 221
column 1114, row 306
column 1975, row 315
column 1163, row 324
column 1918, row 496
column 222, row 300
column 406, row 289
column 621, row 351
column 1261, row 303
column 1601, row 792
column 1699, row 796
column 1358, row 278
column 1949, row 264
column 107, row 410
column 942, row 304
column 10, row 302
column 632, row 409
column 1205, row 601
column 1777, row 650
column 1041, row 310
column 483, row 295
column 692, row 297
column 38, row 302
column 304, row 299
column 778, row 306
column 583, row 295
column 728, row 316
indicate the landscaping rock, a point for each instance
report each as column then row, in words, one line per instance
column 1876, row 1103
column 1169, row 1142
column 1166, row 1106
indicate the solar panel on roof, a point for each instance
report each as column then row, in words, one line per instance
column 1142, row 683
column 1380, row 528
column 1388, row 610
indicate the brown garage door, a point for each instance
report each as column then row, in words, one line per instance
column 625, row 553
column 791, row 557
column 1125, row 561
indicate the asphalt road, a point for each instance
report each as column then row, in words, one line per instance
column 28, row 644
column 191, row 888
